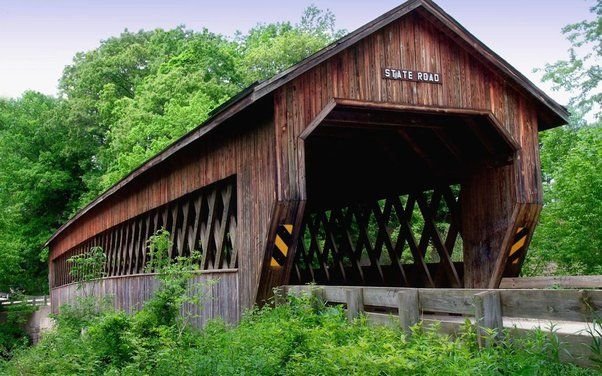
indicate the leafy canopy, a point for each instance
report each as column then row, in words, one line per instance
column 119, row 105
column 568, row 239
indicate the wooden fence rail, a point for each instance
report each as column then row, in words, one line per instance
column 563, row 282
column 43, row 300
column 572, row 311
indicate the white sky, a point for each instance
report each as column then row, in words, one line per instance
column 39, row 37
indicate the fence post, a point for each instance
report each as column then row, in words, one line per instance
column 317, row 296
column 280, row 295
column 355, row 302
column 488, row 315
column 408, row 308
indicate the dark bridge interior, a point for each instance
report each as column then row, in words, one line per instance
column 383, row 189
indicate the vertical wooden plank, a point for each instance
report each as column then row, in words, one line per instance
column 488, row 316
column 422, row 56
column 355, row 302
column 408, row 308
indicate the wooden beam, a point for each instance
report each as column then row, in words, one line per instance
column 564, row 282
column 408, row 308
column 488, row 316
column 318, row 119
column 355, row 303
column 452, row 148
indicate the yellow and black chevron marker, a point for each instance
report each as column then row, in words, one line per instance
column 519, row 242
column 284, row 237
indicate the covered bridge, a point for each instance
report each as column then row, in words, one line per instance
column 404, row 154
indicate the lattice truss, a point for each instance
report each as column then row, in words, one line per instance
column 407, row 240
column 204, row 220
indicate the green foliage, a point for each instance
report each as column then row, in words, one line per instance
column 38, row 163
column 119, row 105
column 570, row 229
column 166, row 104
column 568, row 239
column 12, row 322
column 302, row 337
column 269, row 49
column 92, row 338
column 581, row 74
column 174, row 274
column 88, row 266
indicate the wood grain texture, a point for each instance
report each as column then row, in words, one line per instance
column 245, row 152
column 408, row 309
column 219, row 292
column 561, row 305
column 563, row 282
column 489, row 195
column 488, row 316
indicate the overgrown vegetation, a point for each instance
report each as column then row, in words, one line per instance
column 302, row 337
column 88, row 266
column 12, row 322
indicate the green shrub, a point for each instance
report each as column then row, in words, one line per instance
column 298, row 338
column 302, row 337
column 12, row 332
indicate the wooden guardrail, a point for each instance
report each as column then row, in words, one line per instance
column 563, row 282
column 520, row 310
column 42, row 300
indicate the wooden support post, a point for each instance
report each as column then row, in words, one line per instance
column 355, row 302
column 488, row 315
column 408, row 307
column 487, row 202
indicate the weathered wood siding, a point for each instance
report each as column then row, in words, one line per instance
column 413, row 42
column 247, row 151
column 128, row 293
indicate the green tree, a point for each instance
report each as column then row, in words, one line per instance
column 581, row 73
column 97, row 79
column 181, row 91
column 570, row 229
column 170, row 102
column 568, row 239
column 39, row 166
column 268, row 49
column 119, row 105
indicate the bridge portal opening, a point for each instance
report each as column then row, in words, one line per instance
column 383, row 187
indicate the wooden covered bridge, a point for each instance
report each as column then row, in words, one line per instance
column 404, row 154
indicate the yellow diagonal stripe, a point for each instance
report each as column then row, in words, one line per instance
column 289, row 228
column 281, row 245
column 519, row 229
column 518, row 245
column 273, row 262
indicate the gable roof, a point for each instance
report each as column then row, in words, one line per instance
column 556, row 114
